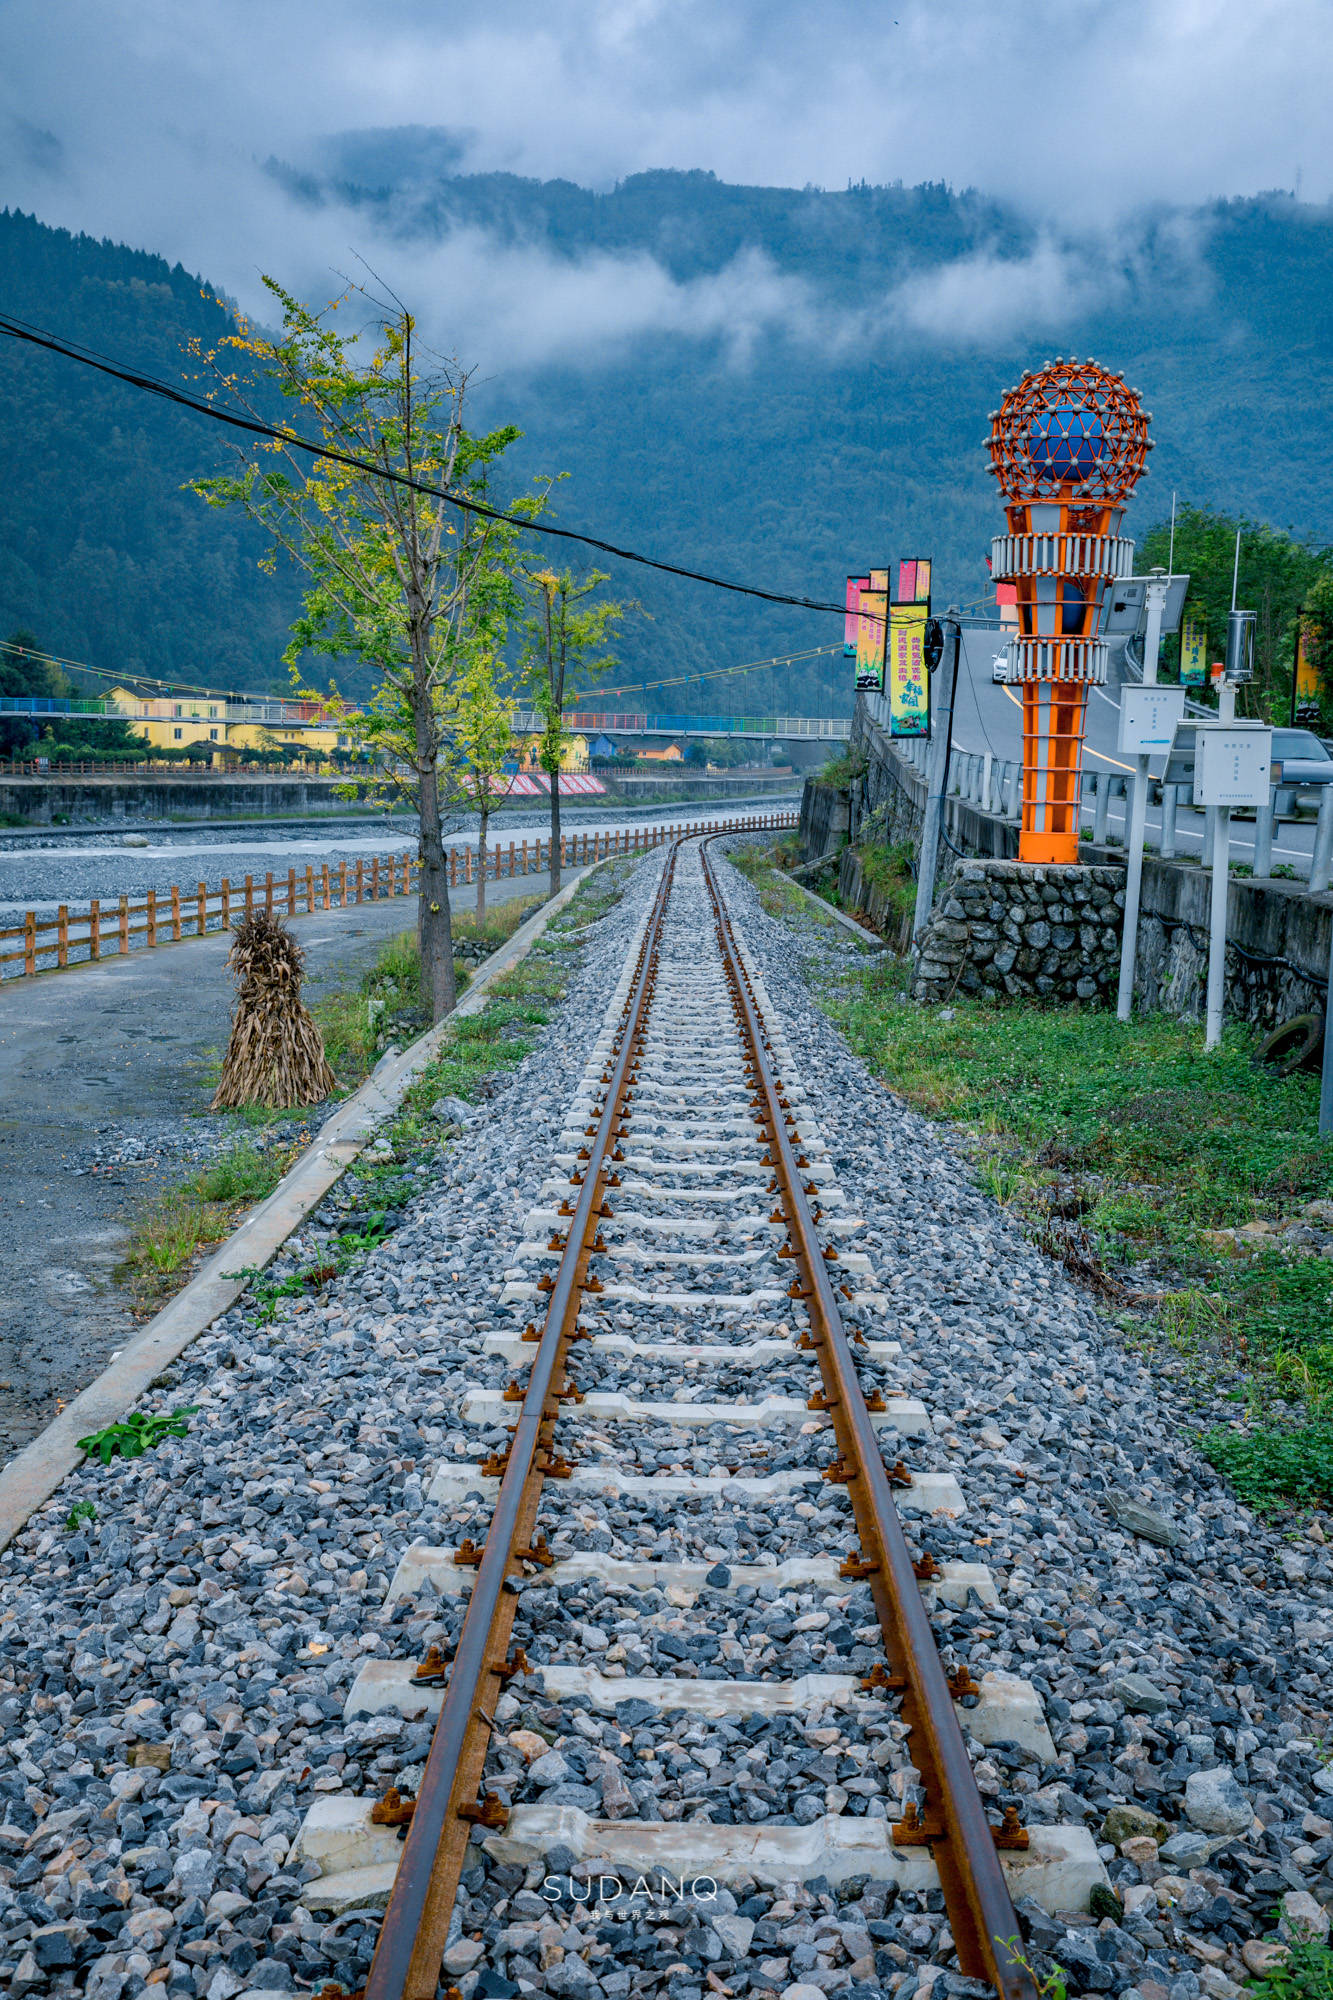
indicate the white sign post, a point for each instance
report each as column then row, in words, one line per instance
column 1231, row 768
column 1148, row 718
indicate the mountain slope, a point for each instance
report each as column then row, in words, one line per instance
column 848, row 433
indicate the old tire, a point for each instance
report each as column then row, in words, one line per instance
column 1294, row 1044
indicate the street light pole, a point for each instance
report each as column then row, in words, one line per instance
column 938, row 778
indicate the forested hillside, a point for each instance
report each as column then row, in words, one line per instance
column 786, row 463
column 101, row 552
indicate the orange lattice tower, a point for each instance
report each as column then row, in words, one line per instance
column 1067, row 446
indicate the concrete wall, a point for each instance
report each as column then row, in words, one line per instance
column 1278, row 934
column 42, row 800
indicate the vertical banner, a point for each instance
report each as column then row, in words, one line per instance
column 1307, row 677
column 871, row 630
column 914, row 582
column 909, row 681
column 855, row 585
column 1193, row 650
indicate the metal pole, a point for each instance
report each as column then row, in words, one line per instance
column 1217, row 926
column 1171, row 554
column 1170, row 796
column 1263, row 838
column 1129, row 934
column 1321, row 859
column 1102, row 799
column 939, row 778
column 1326, row 1074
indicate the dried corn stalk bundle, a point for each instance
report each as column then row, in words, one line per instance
column 275, row 1054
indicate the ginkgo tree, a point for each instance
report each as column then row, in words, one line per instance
column 417, row 589
column 561, row 634
column 482, row 738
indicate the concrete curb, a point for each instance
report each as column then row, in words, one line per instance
column 840, row 917
column 33, row 1475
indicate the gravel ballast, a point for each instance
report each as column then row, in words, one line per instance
column 173, row 1674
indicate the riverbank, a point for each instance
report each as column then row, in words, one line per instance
column 50, row 806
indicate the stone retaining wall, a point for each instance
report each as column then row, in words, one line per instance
column 1033, row 933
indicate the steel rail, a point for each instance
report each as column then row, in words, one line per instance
column 406, row 1964
column 954, row 1823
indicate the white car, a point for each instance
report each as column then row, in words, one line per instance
column 999, row 669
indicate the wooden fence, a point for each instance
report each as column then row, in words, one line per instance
column 176, row 915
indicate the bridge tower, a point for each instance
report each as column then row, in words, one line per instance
column 1067, row 446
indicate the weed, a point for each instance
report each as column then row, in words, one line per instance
column 1270, row 1468
column 81, row 1511
column 200, row 1212
column 1054, row 1986
column 1306, row 1973
column 1002, row 1179
column 137, row 1434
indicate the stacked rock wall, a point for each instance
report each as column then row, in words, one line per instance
column 1003, row 928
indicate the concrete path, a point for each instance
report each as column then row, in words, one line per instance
column 122, row 1048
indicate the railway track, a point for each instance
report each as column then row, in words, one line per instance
column 694, row 1299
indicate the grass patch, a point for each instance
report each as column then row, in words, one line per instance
column 191, row 1218
column 781, row 898
column 842, row 770
column 387, row 1006
column 1127, row 1150
column 1271, row 1468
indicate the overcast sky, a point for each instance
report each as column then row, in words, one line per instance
column 148, row 121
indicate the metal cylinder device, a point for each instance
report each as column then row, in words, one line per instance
column 1240, row 647
column 1067, row 446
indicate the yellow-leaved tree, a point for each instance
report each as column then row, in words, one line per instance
column 481, row 739
column 417, row 589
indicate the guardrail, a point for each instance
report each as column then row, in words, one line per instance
column 995, row 785
column 183, row 767
column 178, row 915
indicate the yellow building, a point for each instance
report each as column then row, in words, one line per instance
column 170, row 723
column 573, row 756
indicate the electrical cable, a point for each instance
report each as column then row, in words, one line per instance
column 1200, row 943
column 37, row 337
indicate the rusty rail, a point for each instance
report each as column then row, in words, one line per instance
column 406, row 1965
column 954, row 1823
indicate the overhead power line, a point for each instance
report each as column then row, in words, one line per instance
column 37, row 337
column 719, row 673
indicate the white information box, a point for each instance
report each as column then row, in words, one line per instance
column 1148, row 719
column 1231, row 763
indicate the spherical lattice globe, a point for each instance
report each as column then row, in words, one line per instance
column 1073, row 429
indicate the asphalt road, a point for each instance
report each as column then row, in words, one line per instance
column 90, row 1059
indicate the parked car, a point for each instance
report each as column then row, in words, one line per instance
column 1303, row 757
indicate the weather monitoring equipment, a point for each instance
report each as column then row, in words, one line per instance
column 1231, row 763
column 1148, row 720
